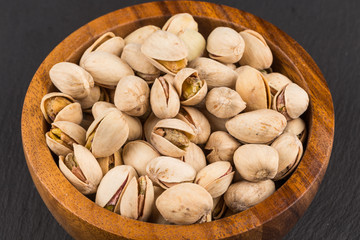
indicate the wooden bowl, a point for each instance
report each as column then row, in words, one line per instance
column 272, row 218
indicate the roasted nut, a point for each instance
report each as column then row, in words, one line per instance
column 221, row 146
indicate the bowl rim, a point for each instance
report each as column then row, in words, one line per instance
column 302, row 184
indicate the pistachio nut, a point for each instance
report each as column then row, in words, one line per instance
column 185, row 203
column 138, row 154
column 165, row 51
column 219, row 207
column 107, row 69
column 138, row 199
column 107, row 134
column 253, row 88
column 180, row 22
column 243, row 195
column 112, row 187
column 215, row 178
column 297, row 126
column 277, row 81
column 221, row 146
column 58, row 106
column 225, row 45
column 257, row 53
column 197, row 121
column 190, row 87
column 256, row 162
column 63, row 135
column 108, row 163
column 290, row 151
column 164, row 100
column 139, row 63
column 195, row 43
column 214, row 73
column 141, row 34
column 96, row 94
column 223, row 102
column 171, row 137
column 108, row 42
column 291, row 101
column 155, row 216
column 195, row 157
column 259, row 126
column 81, row 169
column 168, row 172
column 71, row 79
column 149, row 124
column 217, row 124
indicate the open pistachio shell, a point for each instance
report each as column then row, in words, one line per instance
column 257, row 53
column 180, row 22
column 62, row 135
column 107, row 134
column 195, row 43
column 215, row 178
column 132, row 96
column 108, row 163
column 167, row 171
column 277, row 81
column 297, row 126
column 253, row 88
column 85, row 173
column 243, row 195
column 138, row 154
column 138, row 199
column 259, row 126
column 195, row 157
column 141, row 34
column 221, row 146
column 256, row 162
column 171, row 137
column 100, row 108
column 58, row 106
column 185, row 203
column 164, row 100
column 214, row 73
column 71, row 79
column 290, row 151
column 112, row 187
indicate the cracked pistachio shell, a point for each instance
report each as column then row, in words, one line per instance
column 138, row 154
column 163, row 145
column 243, row 195
column 290, row 151
column 179, row 23
column 259, row 126
column 195, row 157
column 253, row 88
column 107, row 69
column 179, row 80
column 141, row 34
column 155, row 216
column 164, row 100
column 297, row 126
column 215, row 178
column 71, row 79
column 257, row 53
column 164, row 46
column 197, row 121
column 219, row 207
column 108, row 163
column 225, row 45
column 139, row 62
column 224, row 102
column 168, row 172
column 221, row 146
column 73, row 131
column 195, row 43
column 111, row 132
column 89, row 167
column 132, row 96
column 71, row 112
column 114, row 180
column 185, row 203
column 256, row 162
column 136, row 203
column 217, row 124
column 277, row 81
column 214, row 73
column 295, row 100
column 149, row 124
column 108, row 42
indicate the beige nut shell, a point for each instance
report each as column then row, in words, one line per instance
column 195, row 157
column 222, row 147
column 114, row 159
column 180, row 22
column 141, row 34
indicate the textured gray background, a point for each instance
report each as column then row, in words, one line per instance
column 328, row 30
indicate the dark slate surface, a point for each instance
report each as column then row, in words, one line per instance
column 328, row 30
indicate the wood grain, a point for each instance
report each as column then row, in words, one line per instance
column 270, row 219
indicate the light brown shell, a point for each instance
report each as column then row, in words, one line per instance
column 180, row 22
column 217, row 124
column 104, row 161
column 219, row 204
column 297, row 126
column 88, row 101
column 149, row 124
column 222, row 146
column 141, row 34
column 277, row 81
column 100, row 108
column 195, row 157
column 195, row 43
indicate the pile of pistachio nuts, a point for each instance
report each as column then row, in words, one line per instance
column 167, row 127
